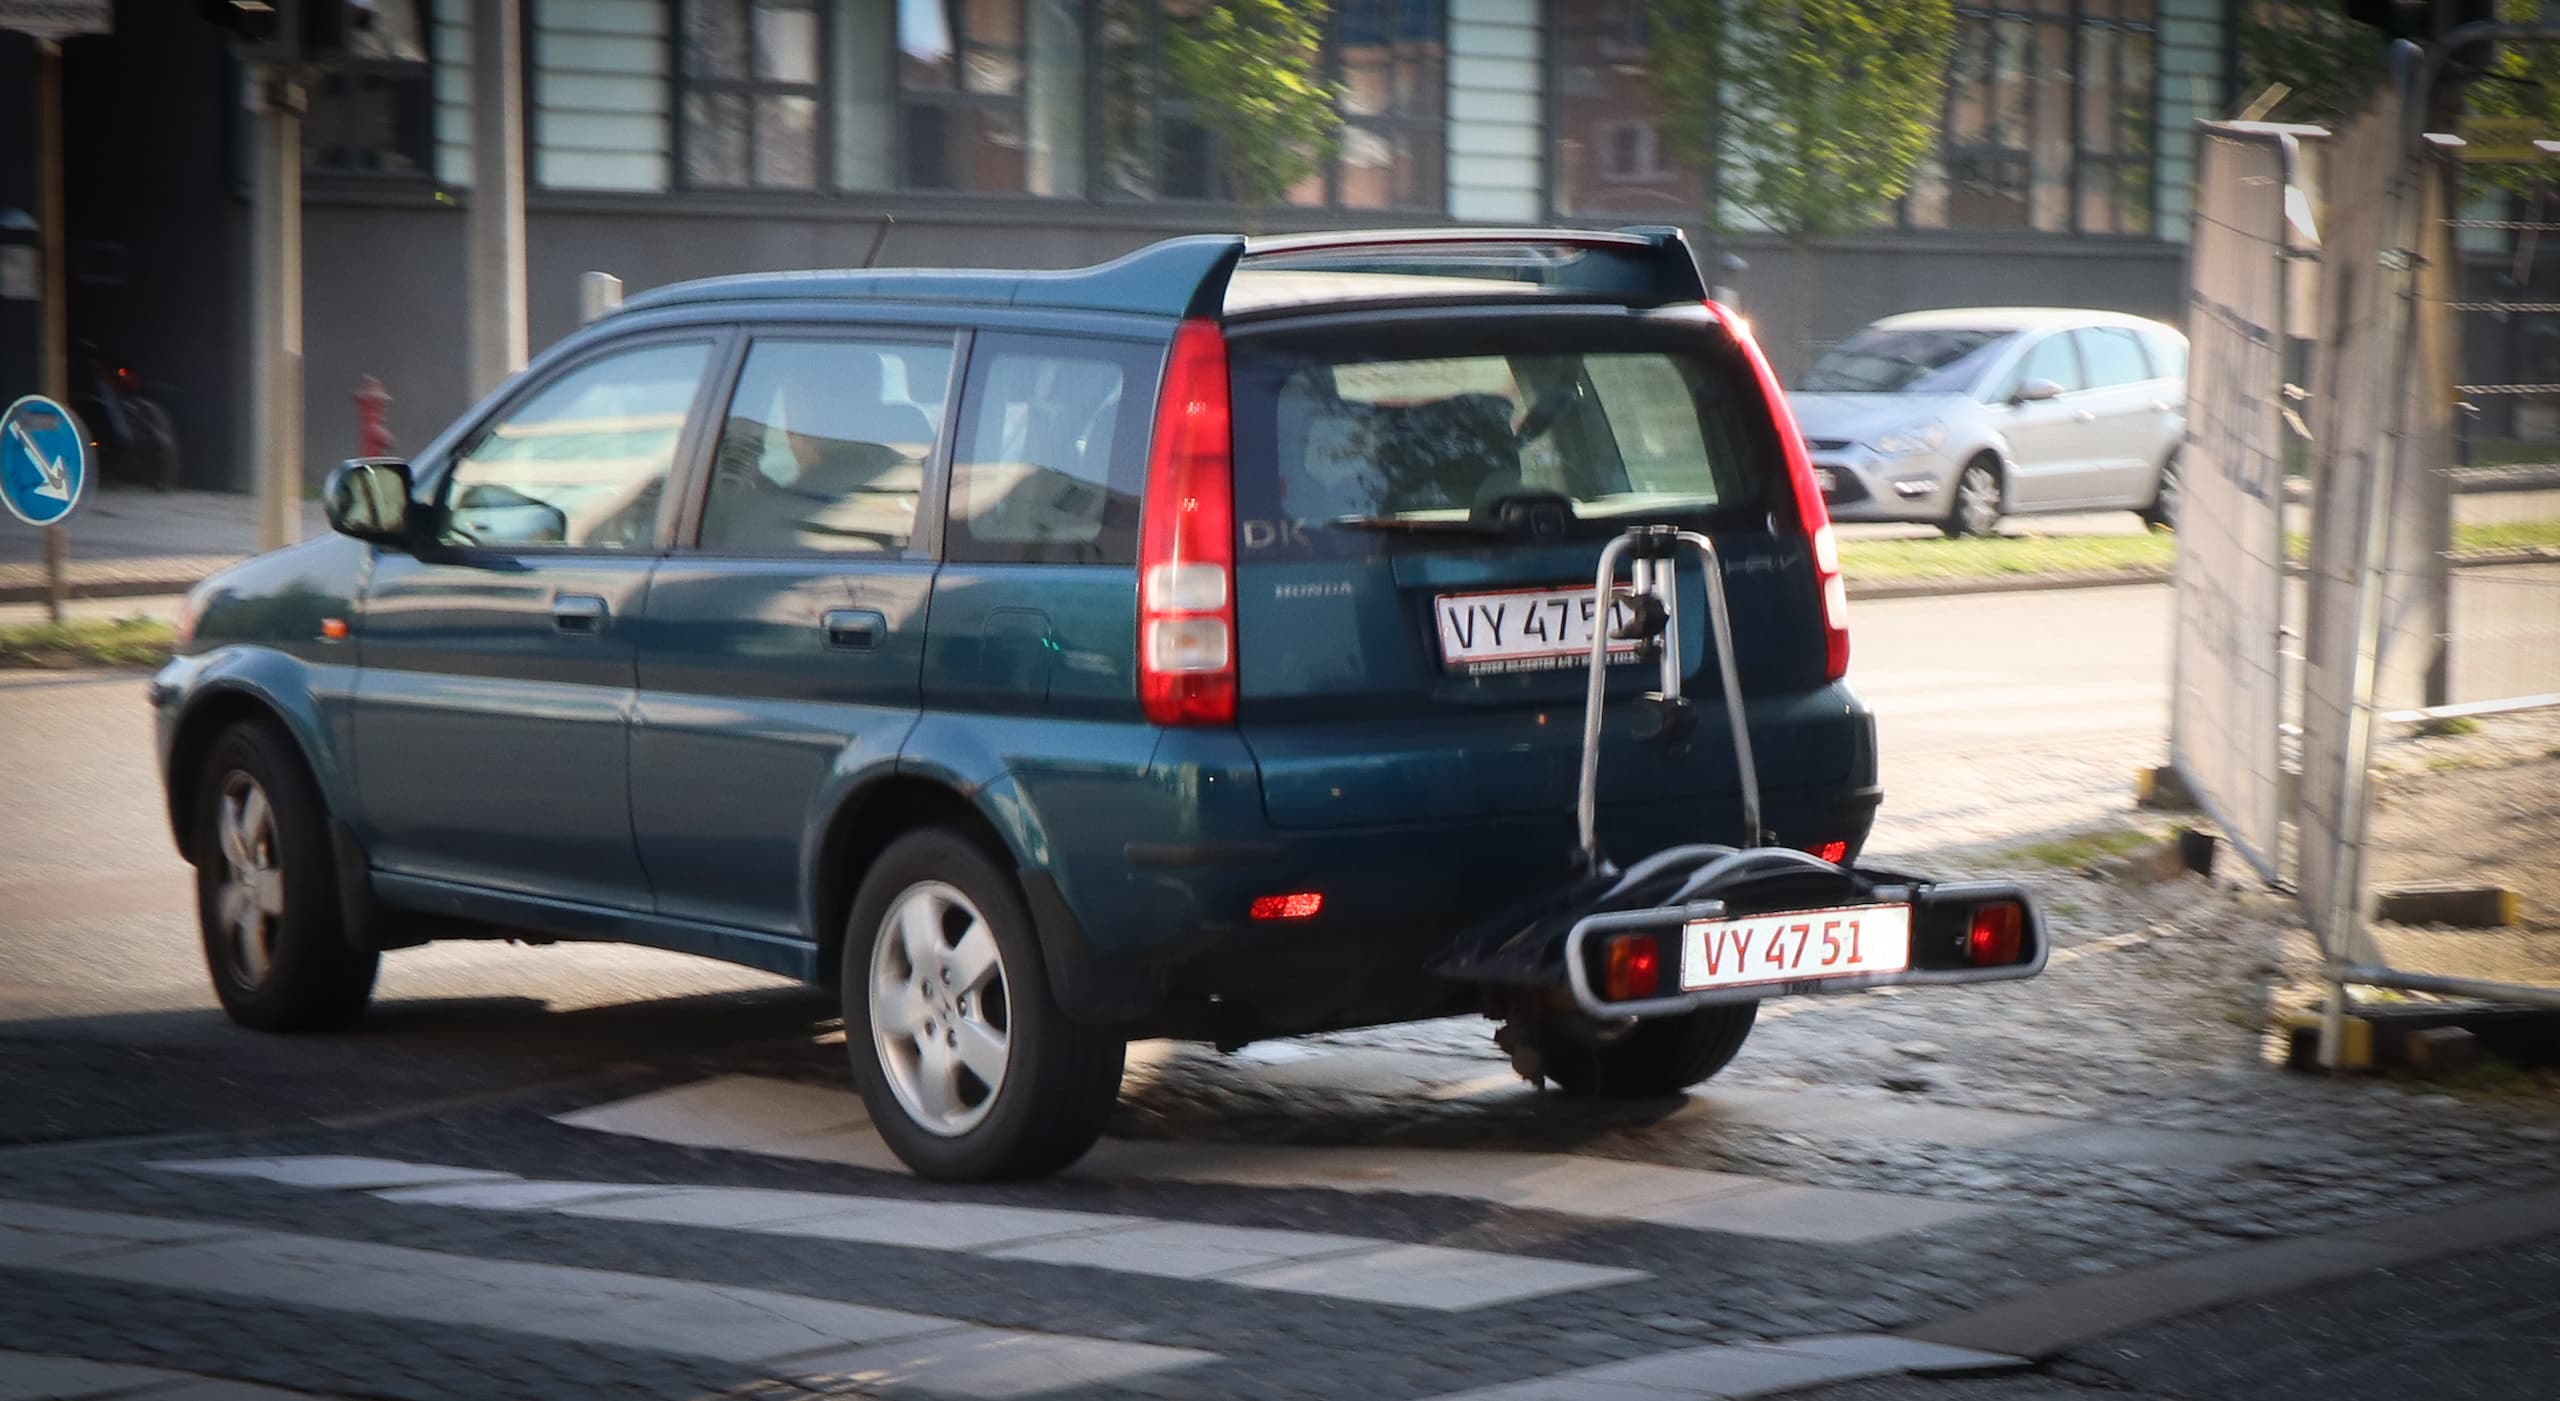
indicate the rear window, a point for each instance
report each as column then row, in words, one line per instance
column 1346, row 453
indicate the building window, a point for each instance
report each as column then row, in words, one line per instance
column 1610, row 157
column 1388, row 57
column 991, row 96
column 374, row 112
column 750, row 94
column 2048, row 118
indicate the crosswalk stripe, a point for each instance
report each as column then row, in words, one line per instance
column 784, row 1334
column 782, row 1119
column 1358, row 1268
column 1738, row 1371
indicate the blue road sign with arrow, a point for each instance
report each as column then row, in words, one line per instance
column 44, row 461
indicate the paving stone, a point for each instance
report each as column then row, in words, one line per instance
column 722, row 1206
column 980, row 1362
column 1903, row 1354
column 1184, row 1250
column 517, row 1196
column 1818, row 1214
column 38, row 1377
column 1731, row 1371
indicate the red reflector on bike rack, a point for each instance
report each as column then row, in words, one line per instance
column 1303, row 905
column 1635, row 968
column 1833, row 852
column 1998, row 931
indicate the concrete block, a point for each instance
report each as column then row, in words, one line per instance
column 2302, row 1048
column 2163, row 788
column 2160, row 861
column 2459, row 906
column 2439, row 1048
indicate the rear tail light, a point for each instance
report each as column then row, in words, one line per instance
column 1634, row 968
column 1811, row 514
column 1997, row 934
column 1187, row 541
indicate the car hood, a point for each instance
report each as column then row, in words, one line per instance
column 1865, row 417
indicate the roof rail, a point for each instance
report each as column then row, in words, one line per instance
column 1176, row 277
column 1649, row 265
column 1188, row 276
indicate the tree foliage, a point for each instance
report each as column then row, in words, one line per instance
column 1814, row 114
column 1253, row 71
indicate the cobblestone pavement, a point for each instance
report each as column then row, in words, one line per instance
column 1885, row 1161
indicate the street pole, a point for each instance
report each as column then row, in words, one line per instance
column 497, row 281
column 277, row 316
column 56, row 336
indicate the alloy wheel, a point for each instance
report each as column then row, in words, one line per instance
column 250, row 901
column 1978, row 500
column 941, row 1013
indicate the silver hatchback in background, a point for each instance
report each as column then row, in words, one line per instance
column 1957, row 418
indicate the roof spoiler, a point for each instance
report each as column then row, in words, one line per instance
column 1188, row 276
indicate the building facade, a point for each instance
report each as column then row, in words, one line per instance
column 668, row 139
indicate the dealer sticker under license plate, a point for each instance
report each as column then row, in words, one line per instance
column 1796, row 946
column 1523, row 630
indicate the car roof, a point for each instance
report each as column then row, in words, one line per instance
column 2013, row 318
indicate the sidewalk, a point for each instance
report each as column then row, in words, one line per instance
column 129, row 543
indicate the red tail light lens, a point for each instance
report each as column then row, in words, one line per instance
column 1187, row 541
column 1833, row 852
column 1811, row 514
column 1996, row 936
column 1304, row 905
column 1634, row 970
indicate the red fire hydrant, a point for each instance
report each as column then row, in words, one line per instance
column 373, row 419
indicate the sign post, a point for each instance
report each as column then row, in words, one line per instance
column 51, row 22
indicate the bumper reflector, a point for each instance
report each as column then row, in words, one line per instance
column 1635, row 968
column 1996, row 936
column 1304, row 905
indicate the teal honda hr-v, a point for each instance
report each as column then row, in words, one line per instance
column 1190, row 646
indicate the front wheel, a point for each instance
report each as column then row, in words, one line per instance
column 266, row 893
column 1976, row 508
column 969, row 1069
column 1659, row 1056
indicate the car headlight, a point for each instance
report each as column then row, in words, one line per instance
column 1927, row 437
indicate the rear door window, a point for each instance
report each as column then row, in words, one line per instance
column 1338, row 452
column 1052, row 450
column 824, row 448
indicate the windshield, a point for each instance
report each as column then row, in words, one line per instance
column 1331, row 448
column 1938, row 360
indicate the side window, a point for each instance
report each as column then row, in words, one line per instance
column 2113, row 356
column 824, row 448
column 2053, row 359
column 1052, row 451
column 2168, row 353
column 583, row 460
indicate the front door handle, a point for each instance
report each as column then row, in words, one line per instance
column 2083, row 416
column 579, row 614
column 853, row 629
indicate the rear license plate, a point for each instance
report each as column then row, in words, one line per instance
column 1522, row 630
column 1798, row 946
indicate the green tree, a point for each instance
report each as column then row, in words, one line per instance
column 1811, row 115
column 2328, row 63
column 1253, row 71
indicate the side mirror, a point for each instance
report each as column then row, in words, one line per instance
column 368, row 498
column 2036, row 391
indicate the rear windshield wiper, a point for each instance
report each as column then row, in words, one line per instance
column 1487, row 530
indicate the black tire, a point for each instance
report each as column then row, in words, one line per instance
column 2162, row 513
column 1963, row 518
column 267, row 905
column 1661, row 1056
column 1057, row 1080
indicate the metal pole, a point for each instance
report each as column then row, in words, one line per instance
column 497, row 282
column 55, row 349
column 277, row 315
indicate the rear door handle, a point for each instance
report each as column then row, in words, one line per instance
column 853, row 629
column 582, row 614
column 2083, row 416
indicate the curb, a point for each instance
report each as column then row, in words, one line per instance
column 2014, row 583
column 101, row 588
column 2056, row 1318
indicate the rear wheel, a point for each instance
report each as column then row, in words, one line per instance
column 1660, row 1056
column 266, row 893
column 2162, row 513
column 970, row 1070
column 1976, row 509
